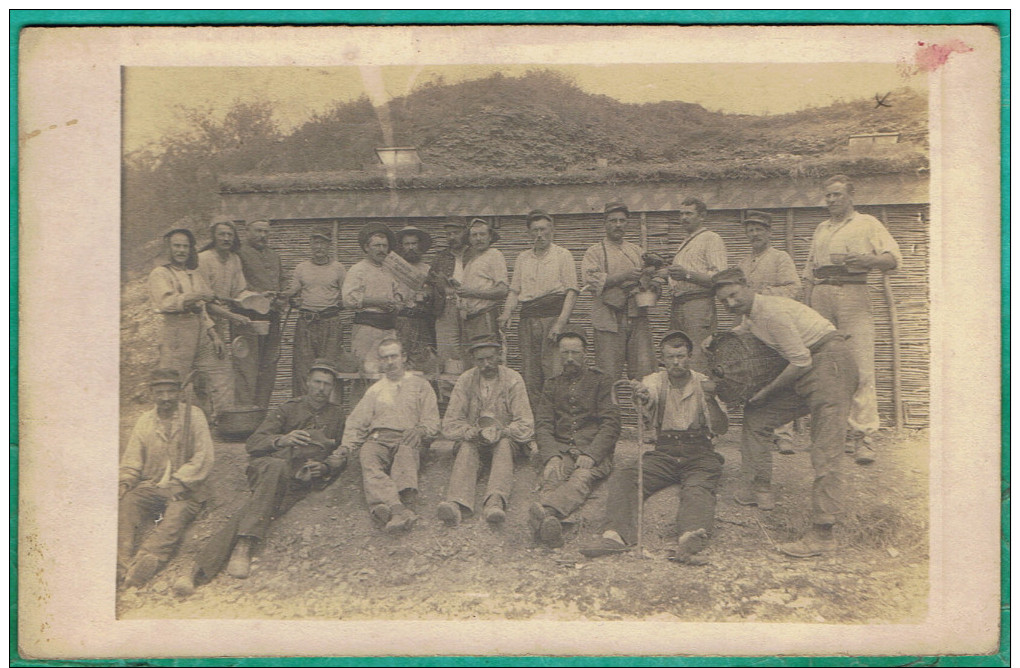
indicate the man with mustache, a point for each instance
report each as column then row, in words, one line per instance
column 844, row 249
column 489, row 417
column 415, row 327
column 610, row 269
column 264, row 273
column 576, row 427
column 397, row 417
column 162, row 472
column 483, row 286
column 820, row 378
column 545, row 284
column 189, row 339
column 315, row 288
column 287, row 460
column 374, row 294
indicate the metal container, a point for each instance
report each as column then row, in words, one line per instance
column 239, row 422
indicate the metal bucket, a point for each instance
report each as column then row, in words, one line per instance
column 239, row 422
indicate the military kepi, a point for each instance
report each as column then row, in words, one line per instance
column 323, row 365
column 616, row 206
column 759, row 218
column 165, row 377
column 677, row 337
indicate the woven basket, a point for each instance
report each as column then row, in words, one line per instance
column 741, row 365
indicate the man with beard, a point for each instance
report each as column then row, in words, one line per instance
column 681, row 405
column 445, row 275
column 162, row 473
column 189, row 339
column 397, row 417
column 374, row 294
column 576, row 427
column 699, row 257
column 489, row 416
column 288, row 459
column 844, row 249
column 264, row 273
column 820, row 379
column 316, row 290
column 545, row 285
column 610, row 269
column 414, row 320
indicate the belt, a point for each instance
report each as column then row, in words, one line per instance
column 376, row 319
column 692, row 296
column 412, row 313
column 828, row 338
column 831, row 274
column 325, row 314
column 543, row 307
column 383, row 435
column 676, row 443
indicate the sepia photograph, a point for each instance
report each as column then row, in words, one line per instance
column 531, row 338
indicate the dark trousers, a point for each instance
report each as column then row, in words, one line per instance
column 825, row 392
column 269, row 353
column 418, row 337
column 273, row 491
column 539, row 359
column 315, row 339
column 696, row 470
column 632, row 345
column 141, row 505
column 565, row 487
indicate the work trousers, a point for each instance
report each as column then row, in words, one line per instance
column 255, row 375
column 144, row 504
column 695, row 468
column 448, row 338
column 539, row 358
column 848, row 307
column 417, row 337
column 464, row 477
column 388, row 467
column 825, row 392
column 313, row 340
column 273, row 491
column 697, row 319
column 565, row 487
column 185, row 348
column 632, row 345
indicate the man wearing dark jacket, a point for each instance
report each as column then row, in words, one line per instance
column 577, row 425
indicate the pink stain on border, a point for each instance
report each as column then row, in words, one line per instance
column 930, row 57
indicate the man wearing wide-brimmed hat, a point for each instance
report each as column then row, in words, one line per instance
column 374, row 294
column 316, row 289
column 415, row 325
column 162, row 473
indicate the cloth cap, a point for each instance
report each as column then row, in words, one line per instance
column 323, row 365
column 731, row 276
column 538, row 214
column 676, row 336
column 493, row 234
column 165, row 377
column 454, row 221
column 424, row 238
column 258, row 224
column 489, row 343
column 758, row 217
column 572, row 332
column 181, row 230
column 322, row 233
column 616, row 206
column 369, row 230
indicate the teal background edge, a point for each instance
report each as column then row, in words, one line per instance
column 1000, row 18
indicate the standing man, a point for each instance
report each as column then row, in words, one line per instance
column 820, row 379
column 374, row 294
column 287, row 460
column 263, row 272
column 316, row 289
column 415, row 327
column 189, row 339
column 396, row 418
column 162, row 473
column 545, row 285
column 445, row 275
column 843, row 250
column 681, row 405
column 483, row 286
column 611, row 270
column 701, row 255
column 577, row 425
column 489, row 415
column 769, row 271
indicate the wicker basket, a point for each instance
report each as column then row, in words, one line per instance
column 741, row 365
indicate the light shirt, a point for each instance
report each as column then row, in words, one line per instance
column 787, row 326
column 505, row 398
column 860, row 234
column 156, row 451
column 705, row 253
column 225, row 277
column 771, row 273
column 167, row 286
column 318, row 285
column 685, row 407
column 367, row 280
column 399, row 405
column 594, row 271
column 552, row 273
column 484, row 272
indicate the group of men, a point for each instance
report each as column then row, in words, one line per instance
column 559, row 403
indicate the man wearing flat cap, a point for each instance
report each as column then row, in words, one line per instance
column 489, row 418
column 576, row 428
column 189, row 340
column 263, row 271
column 162, row 473
column 315, row 289
column 769, row 271
column 445, row 275
column 374, row 294
column 680, row 404
column 415, row 325
column 701, row 254
column 820, row 378
column 611, row 270
column 290, row 455
column 544, row 283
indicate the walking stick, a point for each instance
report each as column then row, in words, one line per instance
column 640, row 460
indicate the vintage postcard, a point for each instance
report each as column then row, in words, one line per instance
column 294, row 379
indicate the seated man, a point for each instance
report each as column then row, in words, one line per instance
column 576, row 429
column 488, row 415
column 397, row 417
column 288, row 453
column 162, row 471
column 681, row 404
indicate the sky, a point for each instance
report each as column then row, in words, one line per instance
column 154, row 96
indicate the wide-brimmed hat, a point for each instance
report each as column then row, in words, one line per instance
column 424, row 238
column 369, row 230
